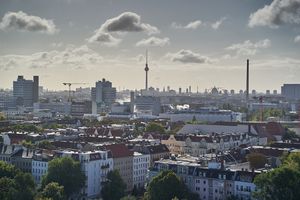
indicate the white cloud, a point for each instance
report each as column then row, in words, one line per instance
column 24, row 22
column 297, row 39
column 128, row 22
column 248, row 47
column 277, row 13
column 191, row 25
column 218, row 23
column 104, row 38
column 188, row 56
column 153, row 41
column 74, row 57
column 125, row 22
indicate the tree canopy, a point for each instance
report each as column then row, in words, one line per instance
column 167, row 185
column 114, row 187
column 67, row 173
column 155, row 127
column 256, row 160
column 53, row 191
column 15, row 184
column 280, row 183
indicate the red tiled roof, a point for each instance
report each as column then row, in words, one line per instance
column 119, row 150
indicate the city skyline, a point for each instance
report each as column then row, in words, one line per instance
column 188, row 46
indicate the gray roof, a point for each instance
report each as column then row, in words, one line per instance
column 219, row 129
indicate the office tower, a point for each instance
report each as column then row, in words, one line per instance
column 104, row 93
column 26, row 92
column 35, row 88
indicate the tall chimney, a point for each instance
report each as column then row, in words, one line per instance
column 247, row 83
column 247, row 96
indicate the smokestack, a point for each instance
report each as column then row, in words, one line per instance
column 247, row 83
column 247, row 96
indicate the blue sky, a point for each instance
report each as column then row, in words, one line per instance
column 199, row 43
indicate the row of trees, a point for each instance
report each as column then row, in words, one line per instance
column 64, row 179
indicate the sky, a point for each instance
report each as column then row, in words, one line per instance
column 197, row 43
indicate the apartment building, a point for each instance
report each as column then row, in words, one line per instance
column 123, row 162
column 197, row 145
column 95, row 165
column 141, row 163
column 212, row 183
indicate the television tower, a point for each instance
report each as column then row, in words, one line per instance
column 146, row 70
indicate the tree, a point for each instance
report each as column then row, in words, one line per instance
column 167, row 186
column 128, row 198
column 257, row 160
column 290, row 135
column 15, row 184
column 53, row 191
column 155, row 127
column 114, row 187
column 2, row 116
column 67, row 173
column 28, row 144
column 280, row 183
column 24, row 184
column 45, row 145
column 7, row 188
column 7, row 170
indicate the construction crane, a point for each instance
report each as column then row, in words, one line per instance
column 70, row 84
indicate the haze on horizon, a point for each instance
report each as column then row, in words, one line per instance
column 198, row 43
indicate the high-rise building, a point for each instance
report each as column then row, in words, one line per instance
column 103, row 94
column 35, row 89
column 291, row 91
column 26, row 92
column 148, row 105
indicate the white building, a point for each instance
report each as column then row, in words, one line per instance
column 141, row 163
column 95, row 166
column 40, row 166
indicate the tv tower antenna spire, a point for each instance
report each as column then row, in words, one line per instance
column 146, row 70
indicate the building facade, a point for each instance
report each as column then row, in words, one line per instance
column 291, row 91
column 210, row 183
column 103, row 94
column 25, row 92
column 141, row 163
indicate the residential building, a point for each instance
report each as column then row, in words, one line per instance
column 212, row 183
column 197, row 145
column 95, row 165
column 141, row 163
column 7, row 151
column 40, row 161
column 156, row 152
column 123, row 162
column 22, row 159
